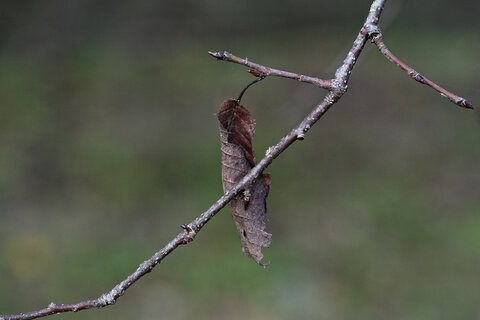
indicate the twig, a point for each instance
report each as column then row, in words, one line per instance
column 378, row 40
column 337, row 87
column 266, row 71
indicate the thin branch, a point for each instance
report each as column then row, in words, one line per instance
column 266, row 71
column 378, row 40
column 337, row 87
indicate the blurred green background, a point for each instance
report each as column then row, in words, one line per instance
column 109, row 141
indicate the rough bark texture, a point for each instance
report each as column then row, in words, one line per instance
column 337, row 87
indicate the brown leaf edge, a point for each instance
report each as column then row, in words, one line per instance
column 237, row 130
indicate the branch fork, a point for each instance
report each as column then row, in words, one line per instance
column 336, row 87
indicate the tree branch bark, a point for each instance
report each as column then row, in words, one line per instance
column 337, row 87
column 378, row 40
column 267, row 71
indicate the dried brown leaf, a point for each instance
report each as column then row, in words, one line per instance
column 237, row 129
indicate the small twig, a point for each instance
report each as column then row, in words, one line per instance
column 226, row 56
column 337, row 87
column 377, row 39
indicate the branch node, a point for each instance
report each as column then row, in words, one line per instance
column 417, row 77
column 300, row 134
column 339, row 85
column 256, row 73
column 52, row 305
column 187, row 228
column 373, row 31
column 107, row 299
column 188, row 237
column 184, row 240
column 269, row 151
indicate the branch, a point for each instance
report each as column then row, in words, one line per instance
column 378, row 40
column 266, row 71
column 336, row 86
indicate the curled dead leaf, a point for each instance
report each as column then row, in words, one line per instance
column 237, row 129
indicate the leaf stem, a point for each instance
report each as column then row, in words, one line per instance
column 260, row 78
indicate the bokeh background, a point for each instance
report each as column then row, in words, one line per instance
column 109, row 141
